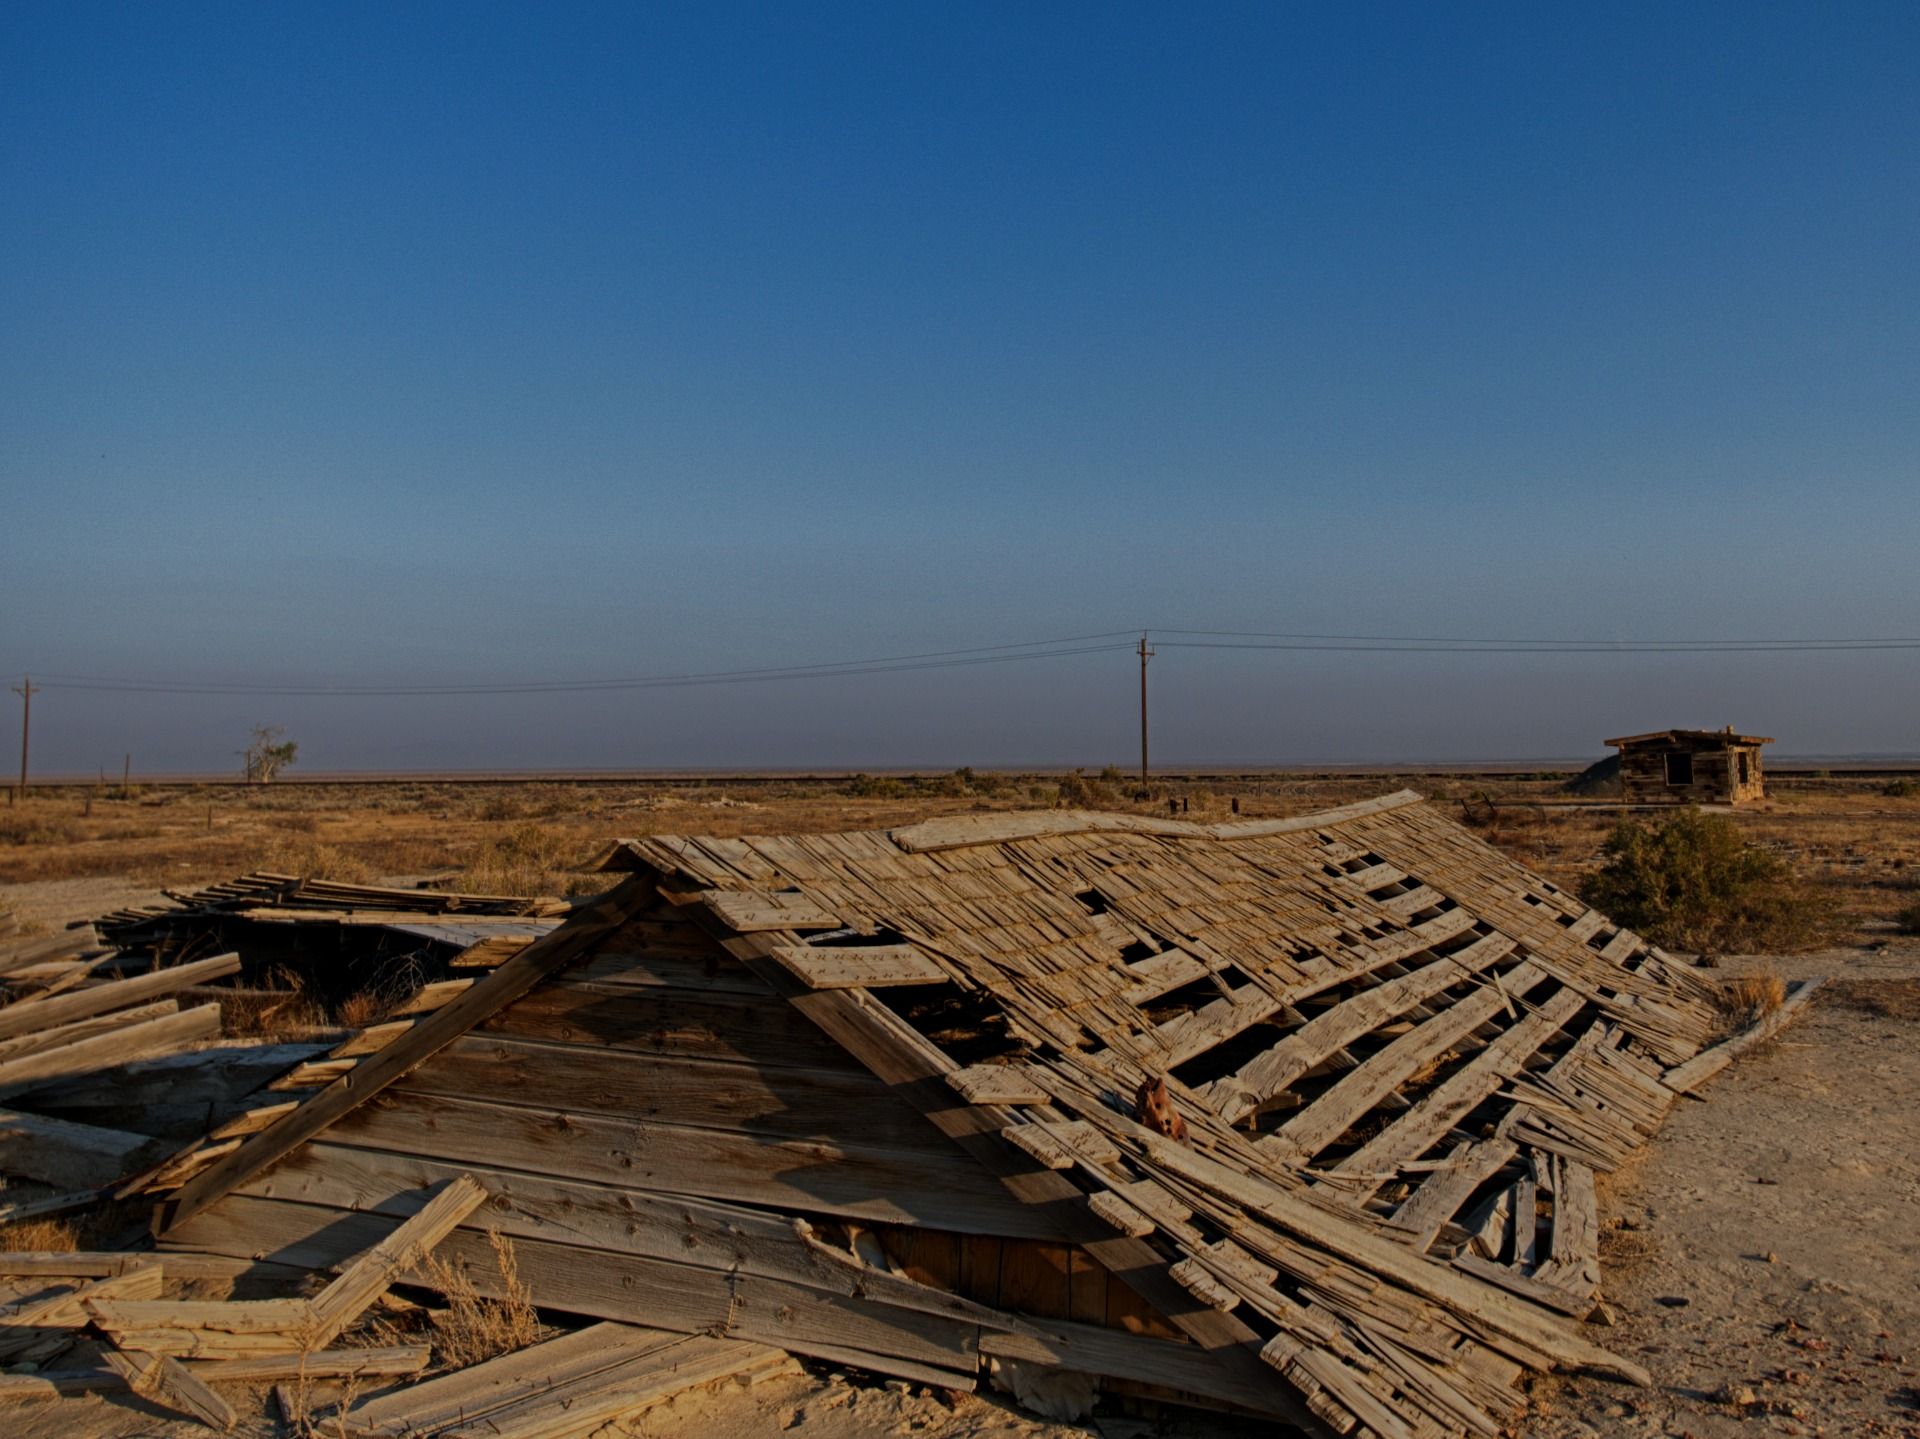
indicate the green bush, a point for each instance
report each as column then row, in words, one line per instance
column 1902, row 789
column 1693, row 883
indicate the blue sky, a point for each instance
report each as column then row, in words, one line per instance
column 475, row 343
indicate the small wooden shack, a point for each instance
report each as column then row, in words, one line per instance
column 1691, row 766
column 1299, row 1117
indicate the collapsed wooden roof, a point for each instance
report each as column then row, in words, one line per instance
column 1398, row 1056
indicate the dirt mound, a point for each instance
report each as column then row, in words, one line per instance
column 1602, row 777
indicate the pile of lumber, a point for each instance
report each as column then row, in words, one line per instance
column 266, row 895
column 76, row 1026
column 174, row 1352
column 331, row 940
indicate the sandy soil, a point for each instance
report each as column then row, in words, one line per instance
column 1762, row 1257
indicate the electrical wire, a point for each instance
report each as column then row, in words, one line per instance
column 1110, row 641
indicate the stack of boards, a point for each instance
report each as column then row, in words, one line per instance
column 180, row 1353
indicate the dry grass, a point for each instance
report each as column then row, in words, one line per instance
column 528, row 859
column 357, row 1011
column 47, row 1236
column 285, row 1007
column 304, row 855
column 473, row 1327
column 1745, row 1001
column 1847, row 838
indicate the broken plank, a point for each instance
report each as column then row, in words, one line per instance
column 33, row 1014
column 153, row 1036
column 391, row 1359
column 161, row 1377
column 369, row 1276
column 41, row 1040
column 609, row 1285
column 996, row 1084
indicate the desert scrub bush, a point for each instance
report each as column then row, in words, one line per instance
column 475, row 1327
column 527, row 859
column 1691, row 882
column 1902, row 789
column 866, row 786
column 1908, row 919
column 1079, row 792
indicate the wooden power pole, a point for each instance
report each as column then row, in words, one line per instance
column 1145, row 655
column 26, row 690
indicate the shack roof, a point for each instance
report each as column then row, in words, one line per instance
column 1397, row 1059
column 1689, row 736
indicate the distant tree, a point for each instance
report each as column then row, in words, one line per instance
column 268, row 754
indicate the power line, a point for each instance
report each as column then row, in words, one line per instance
column 1550, row 647
column 1802, row 641
column 1061, row 648
column 891, row 664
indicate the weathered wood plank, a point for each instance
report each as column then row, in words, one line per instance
column 152, row 1036
column 861, row 1181
column 789, row 1102
column 1361, row 1088
column 69, row 1155
column 1416, row 1131
column 629, row 1288
column 1269, row 1073
column 370, row 1275
column 37, row 1014
column 869, row 966
column 743, row 1028
column 472, row 1394
column 505, row 984
column 39, row 1041
column 749, row 911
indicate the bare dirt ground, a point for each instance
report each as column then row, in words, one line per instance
column 1761, row 1258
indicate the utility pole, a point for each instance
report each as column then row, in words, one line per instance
column 1145, row 655
column 26, row 690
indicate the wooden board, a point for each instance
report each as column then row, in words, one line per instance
column 846, row 967
column 629, row 1288
column 68, row 1155
column 30, row 1015
column 787, row 1102
column 744, row 1028
column 861, row 1181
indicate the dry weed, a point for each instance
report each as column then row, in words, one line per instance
column 271, row 1012
column 303, row 855
column 474, row 1327
column 1750, row 998
column 528, row 859
column 357, row 1011
column 31, row 1236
